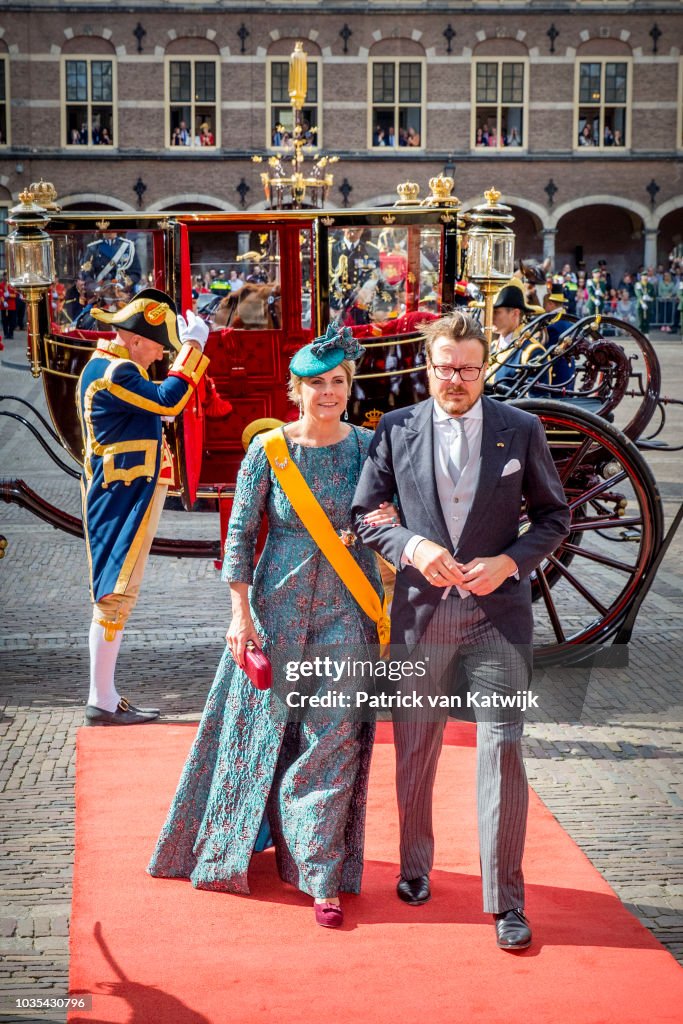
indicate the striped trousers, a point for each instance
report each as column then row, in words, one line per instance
column 492, row 665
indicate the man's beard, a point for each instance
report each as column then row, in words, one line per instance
column 456, row 401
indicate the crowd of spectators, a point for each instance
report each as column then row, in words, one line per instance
column 646, row 297
column 488, row 136
column 181, row 136
column 589, row 135
column 101, row 136
column 387, row 136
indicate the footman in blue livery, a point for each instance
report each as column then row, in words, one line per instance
column 127, row 467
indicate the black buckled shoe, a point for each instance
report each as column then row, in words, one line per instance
column 512, row 930
column 414, row 891
column 125, row 714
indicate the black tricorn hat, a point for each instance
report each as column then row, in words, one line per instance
column 150, row 314
column 511, row 297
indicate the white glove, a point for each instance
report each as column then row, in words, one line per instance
column 191, row 328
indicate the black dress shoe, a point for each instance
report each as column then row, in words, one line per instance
column 414, row 890
column 126, row 705
column 125, row 714
column 512, row 930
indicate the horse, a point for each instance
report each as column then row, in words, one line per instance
column 253, row 307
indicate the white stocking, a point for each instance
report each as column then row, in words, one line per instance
column 103, row 655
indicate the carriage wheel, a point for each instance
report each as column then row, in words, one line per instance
column 583, row 591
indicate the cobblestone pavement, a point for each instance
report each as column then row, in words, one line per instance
column 611, row 775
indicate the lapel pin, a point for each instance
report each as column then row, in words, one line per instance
column 500, row 444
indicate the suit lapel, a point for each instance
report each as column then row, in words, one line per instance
column 419, row 442
column 496, row 438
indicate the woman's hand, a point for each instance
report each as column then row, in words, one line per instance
column 241, row 628
column 385, row 515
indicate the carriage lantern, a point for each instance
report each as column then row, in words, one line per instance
column 30, row 263
column 490, row 250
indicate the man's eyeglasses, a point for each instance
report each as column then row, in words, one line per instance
column 467, row 373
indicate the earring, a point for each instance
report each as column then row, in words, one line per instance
column 345, row 414
column 301, row 410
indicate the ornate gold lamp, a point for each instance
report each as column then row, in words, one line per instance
column 293, row 188
column 490, row 250
column 30, row 264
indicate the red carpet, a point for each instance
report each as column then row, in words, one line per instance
column 152, row 950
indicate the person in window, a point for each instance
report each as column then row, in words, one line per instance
column 111, row 258
column 278, row 134
column 586, row 136
column 391, row 136
column 402, row 137
column 493, row 137
column 513, row 138
column 413, row 137
column 609, row 136
column 618, row 138
column 485, row 133
column 84, row 134
column 479, row 137
column 105, row 138
column 183, row 134
column 206, row 136
column 75, row 138
column 378, row 138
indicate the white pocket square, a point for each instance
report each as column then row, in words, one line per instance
column 511, row 467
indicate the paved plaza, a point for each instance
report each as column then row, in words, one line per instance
column 612, row 778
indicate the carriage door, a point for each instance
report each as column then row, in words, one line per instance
column 249, row 280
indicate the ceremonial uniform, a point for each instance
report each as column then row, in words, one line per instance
column 126, row 471
column 597, row 295
column 112, row 258
column 126, row 459
column 645, row 298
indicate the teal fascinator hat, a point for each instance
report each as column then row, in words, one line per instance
column 323, row 354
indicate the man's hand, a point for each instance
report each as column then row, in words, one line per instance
column 437, row 564
column 191, row 328
column 484, row 575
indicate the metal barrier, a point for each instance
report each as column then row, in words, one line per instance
column 664, row 314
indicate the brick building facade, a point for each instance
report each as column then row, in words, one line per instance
column 579, row 104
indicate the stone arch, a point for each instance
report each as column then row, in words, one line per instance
column 283, row 45
column 601, row 227
column 611, row 43
column 196, row 201
column 95, row 201
column 670, row 229
column 396, row 46
column 191, row 46
column 640, row 209
column 490, row 45
column 92, row 45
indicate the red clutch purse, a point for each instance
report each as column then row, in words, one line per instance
column 258, row 667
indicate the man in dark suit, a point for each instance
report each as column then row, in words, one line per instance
column 461, row 464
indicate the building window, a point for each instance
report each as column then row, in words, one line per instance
column 603, row 99
column 397, row 116
column 89, row 102
column 4, row 104
column 499, row 109
column 281, row 119
column 193, row 86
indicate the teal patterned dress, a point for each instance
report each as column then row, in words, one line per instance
column 247, row 766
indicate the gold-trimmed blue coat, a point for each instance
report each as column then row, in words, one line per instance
column 120, row 410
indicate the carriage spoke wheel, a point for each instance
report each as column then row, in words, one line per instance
column 583, row 591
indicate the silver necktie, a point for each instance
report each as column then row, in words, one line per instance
column 459, row 451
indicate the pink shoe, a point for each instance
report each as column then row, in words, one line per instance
column 328, row 915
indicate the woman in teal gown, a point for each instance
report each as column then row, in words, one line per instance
column 249, row 771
